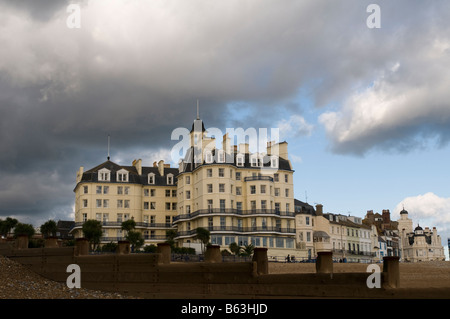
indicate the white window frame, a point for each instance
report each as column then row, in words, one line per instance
column 122, row 175
column 151, row 178
column 104, row 175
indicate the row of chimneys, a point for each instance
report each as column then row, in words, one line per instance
column 160, row 165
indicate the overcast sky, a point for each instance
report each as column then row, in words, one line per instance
column 366, row 111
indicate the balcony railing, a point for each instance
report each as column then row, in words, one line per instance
column 258, row 178
column 234, row 212
column 138, row 224
column 237, row 229
column 116, row 239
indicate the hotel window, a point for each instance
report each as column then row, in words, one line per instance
column 152, row 192
column 238, row 191
column 85, row 203
column 277, row 192
column 264, row 223
column 98, row 217
column 263, row 189
column 253, row 205
column 152, row 205
column 254, row 161
column 170, row 179
column 221, row 172
column 152, row 219
column 209, row 172
column 126, row 203
column 105, row 189
column 221, row 156
column 287, row 207
column 210, row 222
column 240, row 160
column 210, row 205
column 126, row 190
column 119, row 190
column 275, row 177
column 222, row 205
column 239, row 206
column 238, row 176
column 221, row 188
column 167, row 219
column 119, row 217
column 263, row 205
column 126, row 217
column 174, row 193
column 146, row 235
column 222, row 222
column 106, row 203
column 167, row 206
column 277, row 207
column 105, row 217
column 287, row 192
column 188, row 209
column 104, row 175
column 188, row 179
column 174, row 206
column 146, row 192
column 98, row 203
column 119, row 203
column 85, row 189
column 98, row 190
column 208, row 157
column 252, row 189
column 122, row 176
column 146, row 205
column 188, row 194
column 286, row 178
column 151, row 178
column 209, row 188
column 274, row 162
column 167, row 192
column 307, row 220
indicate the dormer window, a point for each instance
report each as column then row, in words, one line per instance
column 274, row 162
column 151, row 178
column 254, row 161
column 208, row 157
column 104, row 175
column 122, row 176
column 169, row 179
column 221, row 156
column 240, row 160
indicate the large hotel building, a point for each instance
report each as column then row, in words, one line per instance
column 239, row 196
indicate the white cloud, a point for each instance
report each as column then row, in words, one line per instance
column 428, row 210
column 295, row 126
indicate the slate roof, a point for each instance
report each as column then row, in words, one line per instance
column 133, row 176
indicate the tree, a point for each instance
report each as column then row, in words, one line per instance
column 24, row 229
column 134, row 237
column 170, row 235
column 128, row 225
column 7, row 225
column 49, row 228
column 203, row 235
column 247, row 250
column 92, row 230
column 235, row 249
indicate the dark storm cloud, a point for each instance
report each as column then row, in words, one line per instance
column 135, row 70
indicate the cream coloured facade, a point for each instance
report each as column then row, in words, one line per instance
column 419, row 244
column 239, row 196
column 111, row 194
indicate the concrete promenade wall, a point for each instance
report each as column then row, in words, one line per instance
column 145, row 275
